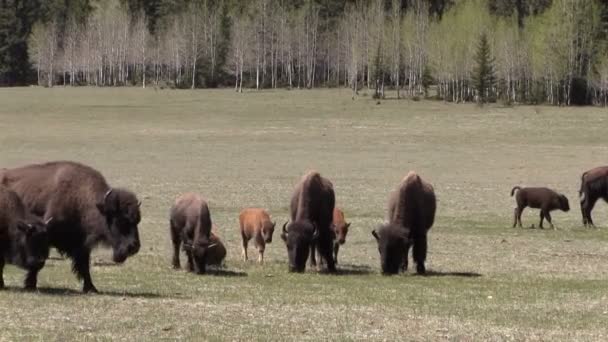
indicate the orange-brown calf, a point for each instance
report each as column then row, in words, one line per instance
column 255, row 224
column 340, row 228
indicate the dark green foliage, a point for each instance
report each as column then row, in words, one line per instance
column 483, row 74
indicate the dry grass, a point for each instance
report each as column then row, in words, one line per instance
column 491, row 282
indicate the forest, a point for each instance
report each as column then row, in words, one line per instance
column 508, row 51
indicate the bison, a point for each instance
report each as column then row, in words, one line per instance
column 190, row 225
column 216, row 251
column 594, row 185
column 255, row 223
column 23, row 237
column 86, row 212
column 411, row 213
column 311, row 211
column 544, row 199
column 340, row 228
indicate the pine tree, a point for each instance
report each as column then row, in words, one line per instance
column 483, row 74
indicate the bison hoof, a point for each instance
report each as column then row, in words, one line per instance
column 420, row 269
column 89, row 289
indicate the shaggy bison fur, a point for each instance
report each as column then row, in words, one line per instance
column 190, row 225
column 86, row 212
column 312, row 206
column 544, row 199
column 23, row 237
column 594, row 185
column 216, row 252
column 411, row 213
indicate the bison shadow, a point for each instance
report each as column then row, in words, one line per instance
column 58, row 291
column 220, row 272
column 431, row 273
column 349, row 269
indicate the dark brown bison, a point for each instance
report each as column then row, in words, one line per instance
column 255, row 224
column 594, row 185
column 340, row 228
column 190, row 225
column 23, row 237
column 544, row 199
column 86, row 212
column 411, row 213
column 311, row 209
column 216, row 251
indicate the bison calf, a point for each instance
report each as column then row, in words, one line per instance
column 23, row 237
column 190, row 225
column 255, row 224
column 544, row 199
column 340, row 228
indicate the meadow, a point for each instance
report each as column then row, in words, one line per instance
column 487, row 281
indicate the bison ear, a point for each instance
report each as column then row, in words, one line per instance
column 274, row 224
column 347, row 225
column 284, row 236
column 375, row 235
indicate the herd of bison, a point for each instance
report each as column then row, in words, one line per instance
column 71, row 207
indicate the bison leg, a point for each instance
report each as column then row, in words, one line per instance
column 31, row 280
column 336, row 250
column 1, row 272
column 404, row 266
column 548, row 217
column 261, row 254
column 313, row 255
column 420, row 247
column 81, row 266
column 245, row 243
column 326, row 252
column 542, row 217
column 587, row 207
column 176, row 244
column 190, row 262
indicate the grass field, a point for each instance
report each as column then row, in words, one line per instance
column 488, row 280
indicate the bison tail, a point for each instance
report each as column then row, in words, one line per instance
column 514, row 189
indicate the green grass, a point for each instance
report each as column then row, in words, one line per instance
column 491, row 282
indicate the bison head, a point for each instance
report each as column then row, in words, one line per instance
column 121, row 210
column 341, row 230
column 299, row 237
column 563, row 203
column 32, row 243
column 393, row 244
column 267, row 231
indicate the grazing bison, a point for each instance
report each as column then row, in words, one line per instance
column 23, row 237
column 594, row 185
column 411, row 213
column 340, row 228
column 255, row 223
column 216, row 251
column 544, row 199
column 190, row 224
column 311, row 209
column 86, row 212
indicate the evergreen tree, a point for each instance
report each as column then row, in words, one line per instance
column 483, row 74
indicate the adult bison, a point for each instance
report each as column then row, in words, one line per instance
column 86, row 212
column 594, row 185
column 340, row 228
column 411, row 213
column 311, row 209
column 23, row 237
column 190, row 224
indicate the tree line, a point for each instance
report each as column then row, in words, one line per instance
column 513, row 51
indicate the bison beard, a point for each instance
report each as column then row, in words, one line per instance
column 411, row 213
column 311, row 209
column 86, row 211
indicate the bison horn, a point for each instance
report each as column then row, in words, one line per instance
column 138, row 204
column 285, row 227
column 212, row 245
column 107, row 194
column 375, row 235
column 48, row 221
